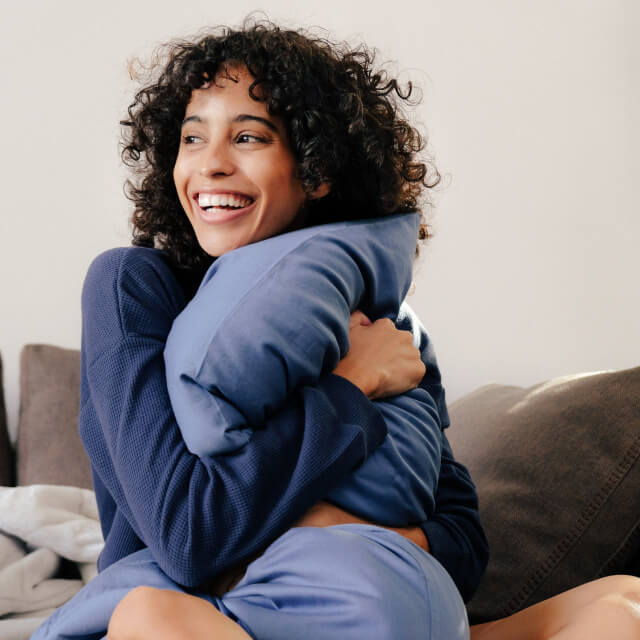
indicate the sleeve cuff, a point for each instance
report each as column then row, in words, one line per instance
column 355, row 408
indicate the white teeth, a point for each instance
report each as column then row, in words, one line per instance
column 223, row 200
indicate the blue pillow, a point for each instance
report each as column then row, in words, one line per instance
column 274, row 315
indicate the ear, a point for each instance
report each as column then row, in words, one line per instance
column 320, row 192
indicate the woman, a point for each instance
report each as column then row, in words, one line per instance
column 332, row 148
column 283, row 132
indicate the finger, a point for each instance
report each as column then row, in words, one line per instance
column 388, row 322
column 359, row 318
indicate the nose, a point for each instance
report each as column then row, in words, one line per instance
column 217, row 159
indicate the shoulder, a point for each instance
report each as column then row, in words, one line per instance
column 129, row 263
column 129, row 286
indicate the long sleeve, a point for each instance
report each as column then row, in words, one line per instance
column 455, row 535
column 197, row 516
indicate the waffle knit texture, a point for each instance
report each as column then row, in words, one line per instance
column 199, row 516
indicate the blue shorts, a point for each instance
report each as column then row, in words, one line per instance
column 347, row 581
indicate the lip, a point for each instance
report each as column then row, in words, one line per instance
column 219, row 217
column 231, row 192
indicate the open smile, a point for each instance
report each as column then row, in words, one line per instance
column 222, row 206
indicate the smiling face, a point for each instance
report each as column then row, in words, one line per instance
column 235, row 174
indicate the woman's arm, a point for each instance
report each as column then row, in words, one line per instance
column 197, row 516
column 403, row 366
column 455, row 535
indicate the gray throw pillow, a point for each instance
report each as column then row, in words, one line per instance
column 6, row 456
column 48, row 448
column 557, row 468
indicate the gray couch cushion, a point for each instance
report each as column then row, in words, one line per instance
column 557, row 467
column 48, row 448
column 6, row 456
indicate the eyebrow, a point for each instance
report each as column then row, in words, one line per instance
column 242, row 117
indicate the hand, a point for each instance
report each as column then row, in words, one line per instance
column 382, row 360
column 325, row 514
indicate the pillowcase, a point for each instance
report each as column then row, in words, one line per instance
column 557, row 468
column 274, row 315
column 48, row 448
column 6, row 454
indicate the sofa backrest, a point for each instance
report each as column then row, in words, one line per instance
column 557, row 467
column 48, row 446
column 6, row 455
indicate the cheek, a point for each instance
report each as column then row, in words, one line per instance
column 177, row 177
column 180, row 183
column 290, row 186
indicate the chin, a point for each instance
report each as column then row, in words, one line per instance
column 215, row 249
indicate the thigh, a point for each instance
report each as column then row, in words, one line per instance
column 551, row 616
column 348, row 582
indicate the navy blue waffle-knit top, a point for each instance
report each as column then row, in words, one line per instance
column 200, row 516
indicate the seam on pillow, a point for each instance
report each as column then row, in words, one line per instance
column 587, row 515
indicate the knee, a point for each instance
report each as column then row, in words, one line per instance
column 616, row 609
column 338, row 552
column 351, row 564
column 374, row 574
column 137, row 612
column 619, row 591
column 622, row 610
column 625, row 596
column 626, row 586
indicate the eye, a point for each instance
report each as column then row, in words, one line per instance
column 243, row 138
column 191, row 139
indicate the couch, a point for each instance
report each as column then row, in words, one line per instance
column 557, row 468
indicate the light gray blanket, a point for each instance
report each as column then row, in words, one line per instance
column 39, row 525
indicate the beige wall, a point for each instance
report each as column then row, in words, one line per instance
column 532, row 108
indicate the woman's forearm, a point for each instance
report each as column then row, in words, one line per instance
column 325, row 514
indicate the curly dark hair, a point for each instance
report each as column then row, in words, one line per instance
column 342, row 117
